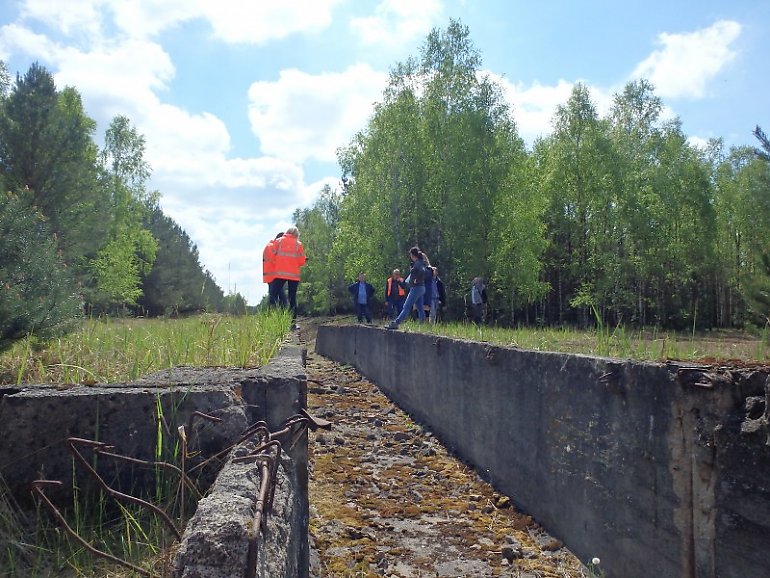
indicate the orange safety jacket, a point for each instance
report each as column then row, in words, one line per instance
column 268, row 261
column 289, row 257
column 388, row 292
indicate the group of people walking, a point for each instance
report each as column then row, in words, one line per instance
column 422, row 289
column 282, row 260
column 284, row 256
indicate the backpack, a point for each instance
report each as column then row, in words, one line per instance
column 478, row 292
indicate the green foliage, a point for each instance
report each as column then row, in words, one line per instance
column 609, row 220
column 37, row 295
column 5, row 79
column 630, row 214
column 756, row 287
column 234, row 304
column 176, row 283
column 46, row 147
column 120, row 264
column 756, row 291
column 131, row 250
column 322, row 290
column 438, row 161
column 119, row 350
column 94, row 203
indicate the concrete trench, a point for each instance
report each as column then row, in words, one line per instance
column 657, row 468
column 665, row 467
column 387, row 498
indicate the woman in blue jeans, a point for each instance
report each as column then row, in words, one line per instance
column 416, row 287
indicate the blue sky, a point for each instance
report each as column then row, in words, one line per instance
column 243, row 103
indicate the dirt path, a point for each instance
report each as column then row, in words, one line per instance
column 387, row 499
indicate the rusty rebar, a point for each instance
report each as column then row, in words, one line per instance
column 152, row 464
column 268, row 470
column 37, row 489
column 113, row 492
column 259, row 427
column 303, row 419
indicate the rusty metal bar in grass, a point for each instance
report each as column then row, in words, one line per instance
column 120, row 496
column 37, row 489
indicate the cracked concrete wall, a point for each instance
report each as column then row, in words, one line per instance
column 215, row 541
column 36, row 420
column 658, row 469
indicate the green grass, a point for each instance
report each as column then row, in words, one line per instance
column 119, row 350
column 620, row 342
column 114, row 351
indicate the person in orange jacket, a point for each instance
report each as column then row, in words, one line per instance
column 395, row 294
column 289, row 257
column 276, row 294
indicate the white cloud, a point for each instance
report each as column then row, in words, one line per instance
column 82, row 17
column 698, row 142
column 533, row 106
column 128, row 72
column 259, row 21
column 397, row 22
column 147, row 18
column 302, row 116
column 244, row 21
column 686, row 63
column 232, row 21
column 16, row 38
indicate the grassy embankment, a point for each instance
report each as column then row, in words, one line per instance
column 120, row 350
column 32, row 545
column 728, row 346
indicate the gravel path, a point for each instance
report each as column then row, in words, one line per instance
column 387, row 499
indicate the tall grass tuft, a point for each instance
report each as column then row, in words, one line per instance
column 118, row 350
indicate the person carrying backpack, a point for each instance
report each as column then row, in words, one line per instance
column 478, row 299
column 438, row 297
column 427, row 300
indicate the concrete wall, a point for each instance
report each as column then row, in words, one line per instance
column 216, row 540
column 658, row 469
column 36, row 420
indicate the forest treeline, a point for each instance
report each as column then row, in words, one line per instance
column 612, row 219
column 80, row 233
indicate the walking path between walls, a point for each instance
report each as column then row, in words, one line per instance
column 387, row 499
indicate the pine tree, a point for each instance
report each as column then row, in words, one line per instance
column 37, row 296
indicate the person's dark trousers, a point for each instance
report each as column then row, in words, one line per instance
column 363, row 312
column 394, row 308
column 478, row 313
column 293, row 297
column 276, row 294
